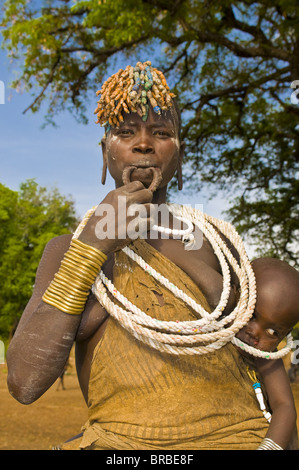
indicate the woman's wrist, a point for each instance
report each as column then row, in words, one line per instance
column 105, row 246
column 269, row 444
column 71, row 285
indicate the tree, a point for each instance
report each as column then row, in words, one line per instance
column 232, row 66
column 29, row 218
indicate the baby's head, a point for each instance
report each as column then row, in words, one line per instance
column 277, row 305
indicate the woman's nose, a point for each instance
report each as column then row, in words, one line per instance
column 143, row 144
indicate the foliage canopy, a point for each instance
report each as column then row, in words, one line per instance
column 29, row 218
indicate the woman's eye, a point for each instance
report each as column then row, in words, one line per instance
column 125, row 132
column 161, row 133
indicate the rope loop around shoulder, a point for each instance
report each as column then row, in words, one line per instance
column 210, row 331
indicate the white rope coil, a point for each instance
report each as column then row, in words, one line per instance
column 208, row 333
column 265, row 354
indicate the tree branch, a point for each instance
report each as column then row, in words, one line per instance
column 239, row 89
column 101, row 56
column 255, row 31
column 176, row 60
column 237, row 49
column 171, row 6
column 50, row 79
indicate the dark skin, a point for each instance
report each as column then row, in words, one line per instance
column 276, row 312
column 45, row 335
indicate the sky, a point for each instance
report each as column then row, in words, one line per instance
column 67, row 157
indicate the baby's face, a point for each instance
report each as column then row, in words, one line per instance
column 270, row 323
column 262, row 333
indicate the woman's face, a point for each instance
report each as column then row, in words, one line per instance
column 153, row 143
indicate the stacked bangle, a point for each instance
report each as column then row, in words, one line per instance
column 71, row 284
column 268, row 444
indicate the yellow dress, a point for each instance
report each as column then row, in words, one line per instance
column 140, row 398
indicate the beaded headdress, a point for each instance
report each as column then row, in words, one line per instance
column 133, row 90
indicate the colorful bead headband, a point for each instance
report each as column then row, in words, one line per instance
column 133, row 90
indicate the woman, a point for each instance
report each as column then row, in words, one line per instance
column 139, row 396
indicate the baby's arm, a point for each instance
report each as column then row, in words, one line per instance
column 283, row 423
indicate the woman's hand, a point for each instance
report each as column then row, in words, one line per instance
column 124, row 214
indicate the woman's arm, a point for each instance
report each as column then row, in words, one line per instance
column 281, row 401
column 45, row 335
column 42, row 342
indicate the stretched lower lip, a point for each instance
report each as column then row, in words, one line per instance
column 155, row 171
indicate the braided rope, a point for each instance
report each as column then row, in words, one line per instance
column 265, row 354
column 163, row 343
column 207, row 333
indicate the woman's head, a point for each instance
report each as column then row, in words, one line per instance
column 133, row 90
column 142, row 123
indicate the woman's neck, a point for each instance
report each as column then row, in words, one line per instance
column 159, row 196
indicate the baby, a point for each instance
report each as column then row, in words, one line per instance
column 275, row 314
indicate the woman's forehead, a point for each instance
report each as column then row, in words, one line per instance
column 165, row 119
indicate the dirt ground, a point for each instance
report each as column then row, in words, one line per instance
column 53, row 419
column 57, row 416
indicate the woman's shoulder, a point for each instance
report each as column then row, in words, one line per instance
column 59, row 243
